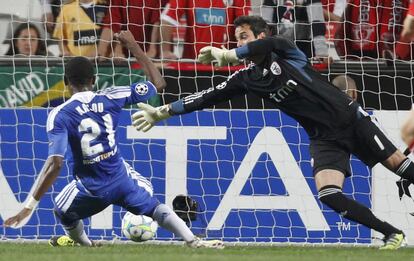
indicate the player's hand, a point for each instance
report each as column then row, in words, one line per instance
column 205, row 56
column 125, row 37
column 15, row 220
column 408, row 28
column 145, row 119
column 222, row 56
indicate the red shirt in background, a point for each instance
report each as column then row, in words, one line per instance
column 331, row 25
column 392, row 20
column 138, row 16
column 371, row 26
column 411, row 9
column 328, row 5
column 209, row 22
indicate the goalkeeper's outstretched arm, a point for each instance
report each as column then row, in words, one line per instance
column 260, row 48
column 254, row 51
column 145, row 119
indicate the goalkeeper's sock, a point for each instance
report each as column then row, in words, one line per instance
column 333, row 197
column 167, row 219
column 77, row 233
column 406, row 170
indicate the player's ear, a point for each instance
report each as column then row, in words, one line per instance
column 261, row 35
column 354, row 94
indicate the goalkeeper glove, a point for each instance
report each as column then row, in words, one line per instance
column 145, row 119
column 221, row 56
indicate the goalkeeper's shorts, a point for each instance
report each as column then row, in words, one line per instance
column 364, row 139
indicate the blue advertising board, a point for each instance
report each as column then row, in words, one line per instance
column 249, row 170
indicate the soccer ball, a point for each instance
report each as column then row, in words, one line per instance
column 138, row 228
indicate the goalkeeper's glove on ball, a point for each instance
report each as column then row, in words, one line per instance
column 222, row 56
column 146, row 118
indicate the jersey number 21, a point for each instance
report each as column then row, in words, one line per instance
column 91, row 130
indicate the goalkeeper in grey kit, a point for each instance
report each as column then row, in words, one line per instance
column 336, row 125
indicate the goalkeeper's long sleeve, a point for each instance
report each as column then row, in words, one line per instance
column 283, row 47
column 226, row 90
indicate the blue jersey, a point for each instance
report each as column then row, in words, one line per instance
column 88, row 122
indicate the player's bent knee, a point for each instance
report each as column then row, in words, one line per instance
column 152, row 207
column 146, row 207
column 329, row 177
column 67, row 221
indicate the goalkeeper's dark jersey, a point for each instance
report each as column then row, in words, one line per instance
column 286, row 79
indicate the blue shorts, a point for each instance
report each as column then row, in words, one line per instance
column 135, row 194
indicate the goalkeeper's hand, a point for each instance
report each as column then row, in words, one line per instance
column 146, row 118
column 222, row 56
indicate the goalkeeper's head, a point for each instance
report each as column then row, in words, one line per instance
column 79, row 74
column 250, row 28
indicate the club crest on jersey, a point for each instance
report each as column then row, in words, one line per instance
column 275, row 68
column 141, row 88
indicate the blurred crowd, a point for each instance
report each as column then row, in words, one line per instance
column 325, row 30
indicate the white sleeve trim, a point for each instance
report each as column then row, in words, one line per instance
column 50, row 123
column 118, row 92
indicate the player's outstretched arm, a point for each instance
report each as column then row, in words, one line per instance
column 151, row 71
column 148, row 116
column 252, row 51
column 48, row 175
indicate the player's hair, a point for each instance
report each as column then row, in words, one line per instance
column 79, row 72
column 257, row 24
column 344, row 83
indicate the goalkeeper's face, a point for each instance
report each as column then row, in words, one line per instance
column 244, row 35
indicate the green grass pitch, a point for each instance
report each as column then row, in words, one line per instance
column 138, row 252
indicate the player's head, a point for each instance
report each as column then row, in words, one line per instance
column 347, row 85
column 79, row 74
column 250, row 28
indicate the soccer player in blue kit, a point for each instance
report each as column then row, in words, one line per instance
column 87, row 122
